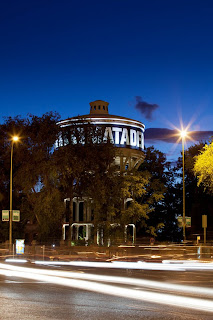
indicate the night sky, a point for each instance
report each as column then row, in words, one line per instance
column 152, row 60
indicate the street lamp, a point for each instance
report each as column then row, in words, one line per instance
column 183, row 134
column 14, row 139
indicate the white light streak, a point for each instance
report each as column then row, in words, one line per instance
column 115, row 279
column 140, row 265
column 16, row 260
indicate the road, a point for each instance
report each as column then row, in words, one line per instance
column 83, row 292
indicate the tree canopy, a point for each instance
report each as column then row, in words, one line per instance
column 203, row 167
column 198, row 202
column 44, row 175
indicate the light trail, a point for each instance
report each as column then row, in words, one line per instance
column 152, row 297
column 114, row 279
column 16, row 260
column 140, row 265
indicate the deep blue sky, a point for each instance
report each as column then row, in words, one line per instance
column 60, row 55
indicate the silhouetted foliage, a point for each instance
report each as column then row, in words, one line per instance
column 80, row 165
column 198, row 202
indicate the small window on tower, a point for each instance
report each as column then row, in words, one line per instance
column 94, row 107
column 99, row 107
column 104, row 107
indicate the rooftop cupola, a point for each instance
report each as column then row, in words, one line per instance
column 99, row 107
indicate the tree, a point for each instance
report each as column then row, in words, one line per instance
column 203, row 167
column 82, row 156
column 8, row 129
column 161, row 222
column 135, row 188
column 198, row 202
column 43, row 174
column 32, row 173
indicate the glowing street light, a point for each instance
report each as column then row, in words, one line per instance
column 183, row 134
column 14, row 139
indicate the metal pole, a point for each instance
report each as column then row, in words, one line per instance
column 125, row 233
column 204, row 225
column 11, row 184
column 204, row 236
column 134, row 234
column 43, row 251
column 184, row 218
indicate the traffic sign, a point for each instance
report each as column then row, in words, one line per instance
column 5, row 215
column 188, row 222
column 16, row 215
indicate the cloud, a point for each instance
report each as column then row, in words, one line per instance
column 153, row 135
column 145, row 108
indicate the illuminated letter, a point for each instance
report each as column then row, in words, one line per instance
column 133, row 138
column 108, row 133
column 140, row 140
column 117, row 135
column 125, row 137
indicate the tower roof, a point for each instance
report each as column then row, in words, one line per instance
column 99, row 107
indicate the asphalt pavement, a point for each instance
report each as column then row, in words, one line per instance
column 34, row 291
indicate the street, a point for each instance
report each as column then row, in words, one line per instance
column 30, row 291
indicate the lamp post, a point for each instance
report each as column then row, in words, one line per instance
column 14, row 139
column 183, row 135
